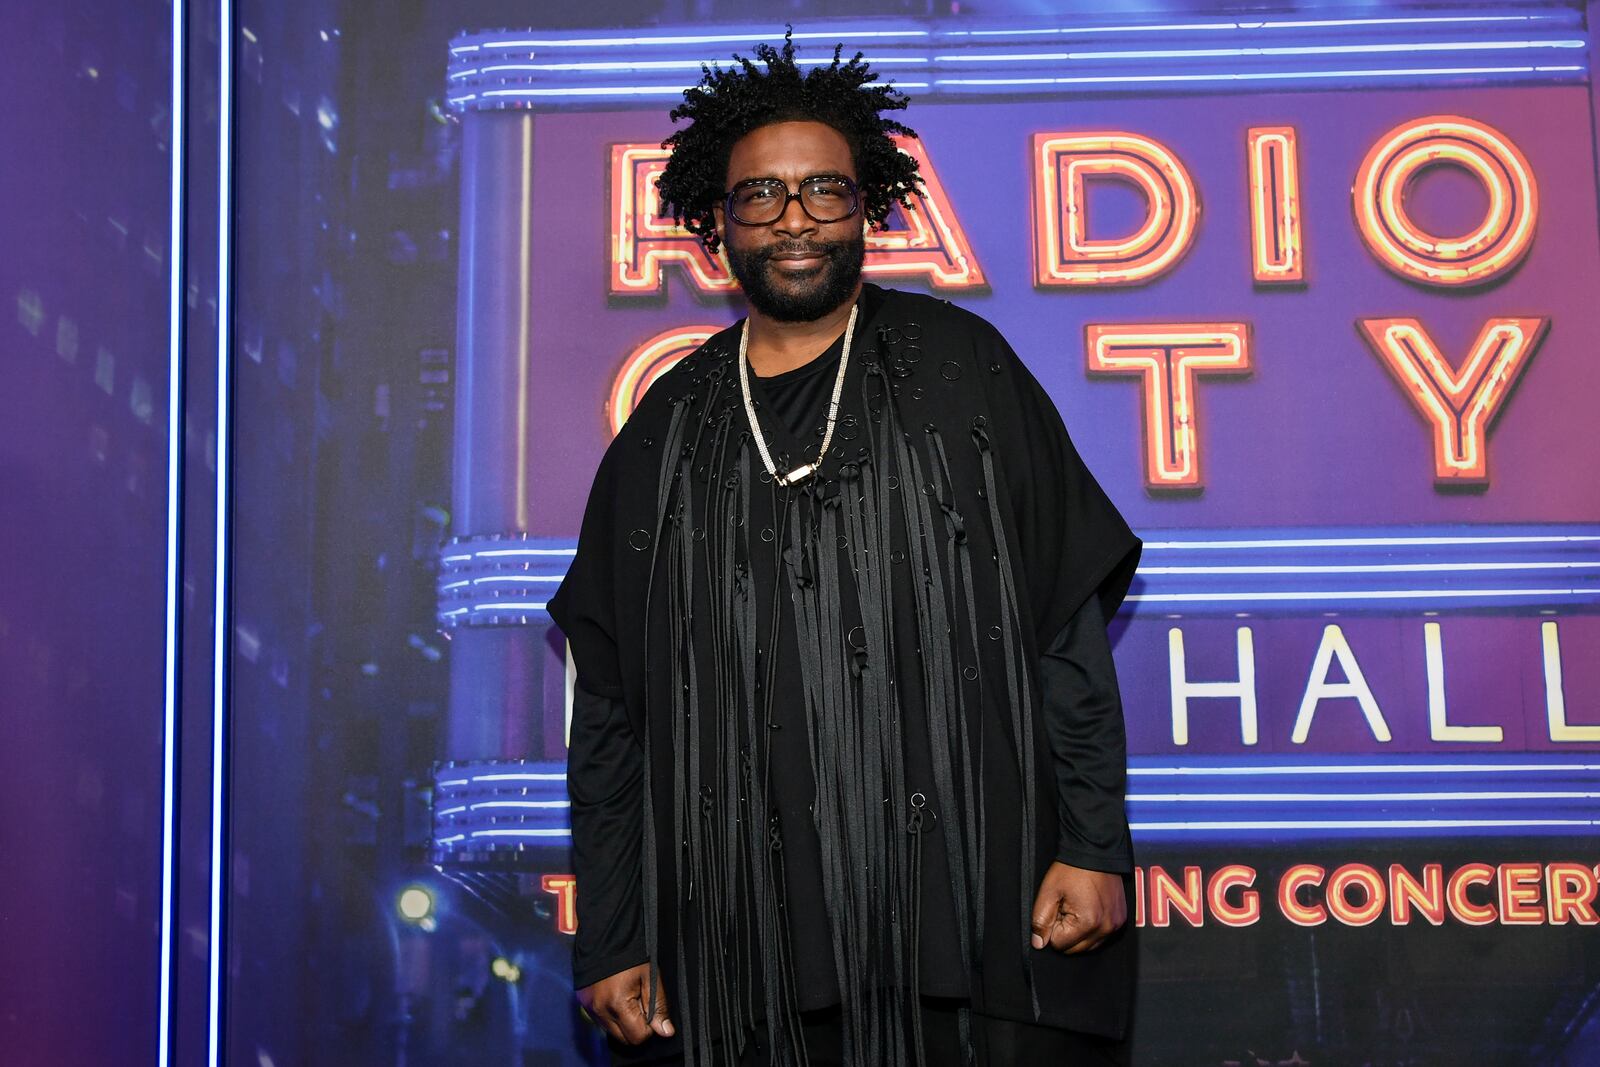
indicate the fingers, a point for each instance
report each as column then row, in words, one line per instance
column 1046, row 906
column 1071, row 930
column 1090, row 932
column 1082, row 940
column 1110, row 920
column 660, row 1022
column 602, row 1015
column 629, row 1009
column 619, row 1005
column 1055, row 923
column 1071, row 926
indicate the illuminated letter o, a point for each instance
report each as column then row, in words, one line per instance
column 1392, row 166
column 1372, row 894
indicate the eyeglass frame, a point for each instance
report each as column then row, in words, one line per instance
column 855, row 198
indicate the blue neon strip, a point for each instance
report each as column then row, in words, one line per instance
column 1220, row 572
column 1396, row 74
column 485, row 580
column 1364, row 569
column 1304, row 828
column 499, row 70
column 219, row 647
column 175, row 380
column 1293, row 796
column 1270, row 24
column 1301, row 797
column 1270, row 50
column 494, row 809
column 746, row 37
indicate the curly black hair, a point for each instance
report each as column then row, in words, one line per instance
column 727, row 104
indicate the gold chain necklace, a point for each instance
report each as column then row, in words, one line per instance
column 804, row 470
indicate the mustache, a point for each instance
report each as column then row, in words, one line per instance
column 807, row 248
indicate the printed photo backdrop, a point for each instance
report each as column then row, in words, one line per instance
column 1315, row 296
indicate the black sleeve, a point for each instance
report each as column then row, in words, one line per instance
column 1088, row 743
column 605, row 779
column 585, row 605
column 1072, row 540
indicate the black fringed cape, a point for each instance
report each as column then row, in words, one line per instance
column 879, row 627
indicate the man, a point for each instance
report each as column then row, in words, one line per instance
column 847, row 752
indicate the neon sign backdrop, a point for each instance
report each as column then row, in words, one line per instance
column 929, row 243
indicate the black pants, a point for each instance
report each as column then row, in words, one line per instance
column 996, row 1042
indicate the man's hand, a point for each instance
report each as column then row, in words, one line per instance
column 620, row 1003
column 1077, row 909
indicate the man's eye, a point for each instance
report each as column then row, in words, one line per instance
column 758, row 193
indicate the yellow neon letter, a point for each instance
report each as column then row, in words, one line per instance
column 1460, row 405
column 1439, row 726
column 1169, row 356
column 1183, row 690
column 1277, row 254
column 1393, row 164
column 1063, row 252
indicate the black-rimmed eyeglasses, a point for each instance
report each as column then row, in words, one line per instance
column 762, row 201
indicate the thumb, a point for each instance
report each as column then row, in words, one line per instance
column 1045, row 909
column 659, row 1022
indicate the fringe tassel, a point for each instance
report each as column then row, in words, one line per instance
column 1019, row 695
column 730, row 884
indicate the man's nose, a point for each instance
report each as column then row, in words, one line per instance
column 794, row 221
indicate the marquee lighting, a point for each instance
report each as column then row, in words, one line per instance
column 1276, row 252
column 1104, row 53
column 1345, row 569
column 1458, row 404
column 1064, row 254
column 1398, row 158
column 1168, row 357
column 931, row 244
column 492, row 812
column 498, row 579
column 1234, row 796
column 647, row 363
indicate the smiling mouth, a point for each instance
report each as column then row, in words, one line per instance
column 794, row 261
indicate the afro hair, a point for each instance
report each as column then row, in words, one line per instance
column 727, row 104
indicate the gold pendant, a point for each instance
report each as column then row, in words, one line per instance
column 798, row 473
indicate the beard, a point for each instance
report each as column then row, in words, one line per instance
column 802, row 296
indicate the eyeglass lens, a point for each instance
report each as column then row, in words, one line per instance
column 824, row 199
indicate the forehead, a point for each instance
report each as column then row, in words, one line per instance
column 790, row 150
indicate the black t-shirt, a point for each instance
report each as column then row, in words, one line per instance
column 799, row 396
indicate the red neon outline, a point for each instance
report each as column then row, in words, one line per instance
column 1459, row 404
column 1169, row 357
